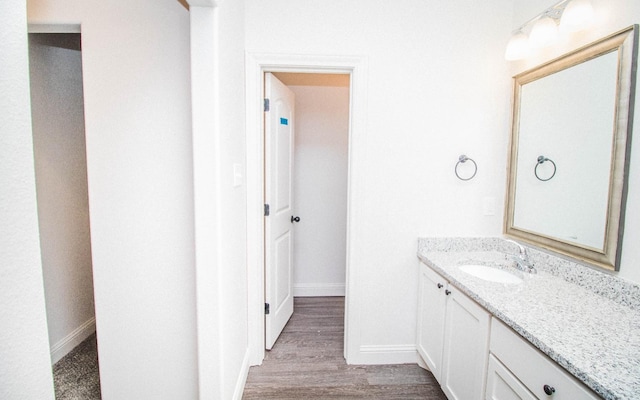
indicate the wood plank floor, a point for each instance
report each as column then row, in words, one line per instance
column 307, row 362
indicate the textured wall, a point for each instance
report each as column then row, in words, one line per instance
column 220, row 203
column 320, row 189
column 438, row 87
column 61, row 181
column 139, row 168
column 25, row 370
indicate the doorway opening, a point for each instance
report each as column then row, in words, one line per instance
column 57, row 107
column 305, row 254
column 257, row 65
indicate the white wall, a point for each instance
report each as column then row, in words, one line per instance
column 61, row 182
column 438, row 86
column 320, row 189
column 139, row 167
column 25, row 370
column 217, row 57
column 611, row 16
column 232, row 283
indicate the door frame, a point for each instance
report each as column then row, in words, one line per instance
column 77, row 336
column 256, row 65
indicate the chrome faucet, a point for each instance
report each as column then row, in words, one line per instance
column 522, row 261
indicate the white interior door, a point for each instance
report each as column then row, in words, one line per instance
column 279, row 146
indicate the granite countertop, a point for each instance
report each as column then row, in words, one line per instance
column 594, row 337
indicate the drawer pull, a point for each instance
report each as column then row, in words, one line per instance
column 549, row 390
column 447, row 292
column 440, row 285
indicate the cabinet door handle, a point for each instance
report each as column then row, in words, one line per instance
column 440, row 285
column 549, row 390
column 447, row 292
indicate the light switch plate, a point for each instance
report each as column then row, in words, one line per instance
column 238, row 175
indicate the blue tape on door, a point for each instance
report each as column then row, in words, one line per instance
column 284, row 121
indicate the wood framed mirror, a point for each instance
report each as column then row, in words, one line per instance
column 569, row 152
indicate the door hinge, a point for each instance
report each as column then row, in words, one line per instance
column 266, row 210
column 266, row 308
column 266, row 105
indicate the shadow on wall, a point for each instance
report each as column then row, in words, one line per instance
column 57, row 101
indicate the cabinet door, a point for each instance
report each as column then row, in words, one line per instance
column 466, row 347
column 431, row 311
column 502, row 385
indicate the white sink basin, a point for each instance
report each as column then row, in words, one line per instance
column 490, row 273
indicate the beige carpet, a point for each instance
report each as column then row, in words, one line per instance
column 76, row 375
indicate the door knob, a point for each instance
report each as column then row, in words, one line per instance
column 295, row 219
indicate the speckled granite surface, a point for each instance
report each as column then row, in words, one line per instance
column 564, row 310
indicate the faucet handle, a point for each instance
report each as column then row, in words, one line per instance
column 522, row 260
column 521, row 249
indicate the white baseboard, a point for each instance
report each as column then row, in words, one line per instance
column 318, row 289
column 69, row 342
column 380, row 355
column 242, row 377
column 422, row 364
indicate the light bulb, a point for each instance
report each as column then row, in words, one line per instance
column 543, row 33
column 576, row 16
column 518, row 47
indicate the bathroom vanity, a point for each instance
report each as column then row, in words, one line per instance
column 565, row 332
column 552, row 328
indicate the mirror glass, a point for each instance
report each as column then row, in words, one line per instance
column 569, row 151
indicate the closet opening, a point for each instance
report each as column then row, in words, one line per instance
column 57, row 107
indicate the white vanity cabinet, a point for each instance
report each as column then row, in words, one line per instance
column 503, row 385
column 517, row 370
column 452, row 337
column 431, row 314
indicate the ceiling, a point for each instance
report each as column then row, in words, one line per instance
column 311, row 79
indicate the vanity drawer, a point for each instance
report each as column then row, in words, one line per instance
column 534, row 369
column 502, row 385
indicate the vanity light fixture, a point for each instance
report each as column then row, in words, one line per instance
column 518, row 47
column 577, row 15
column 543, row 33
column 571, row 15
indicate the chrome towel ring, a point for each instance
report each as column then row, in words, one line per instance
column 461, row 160
column 542, row 160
